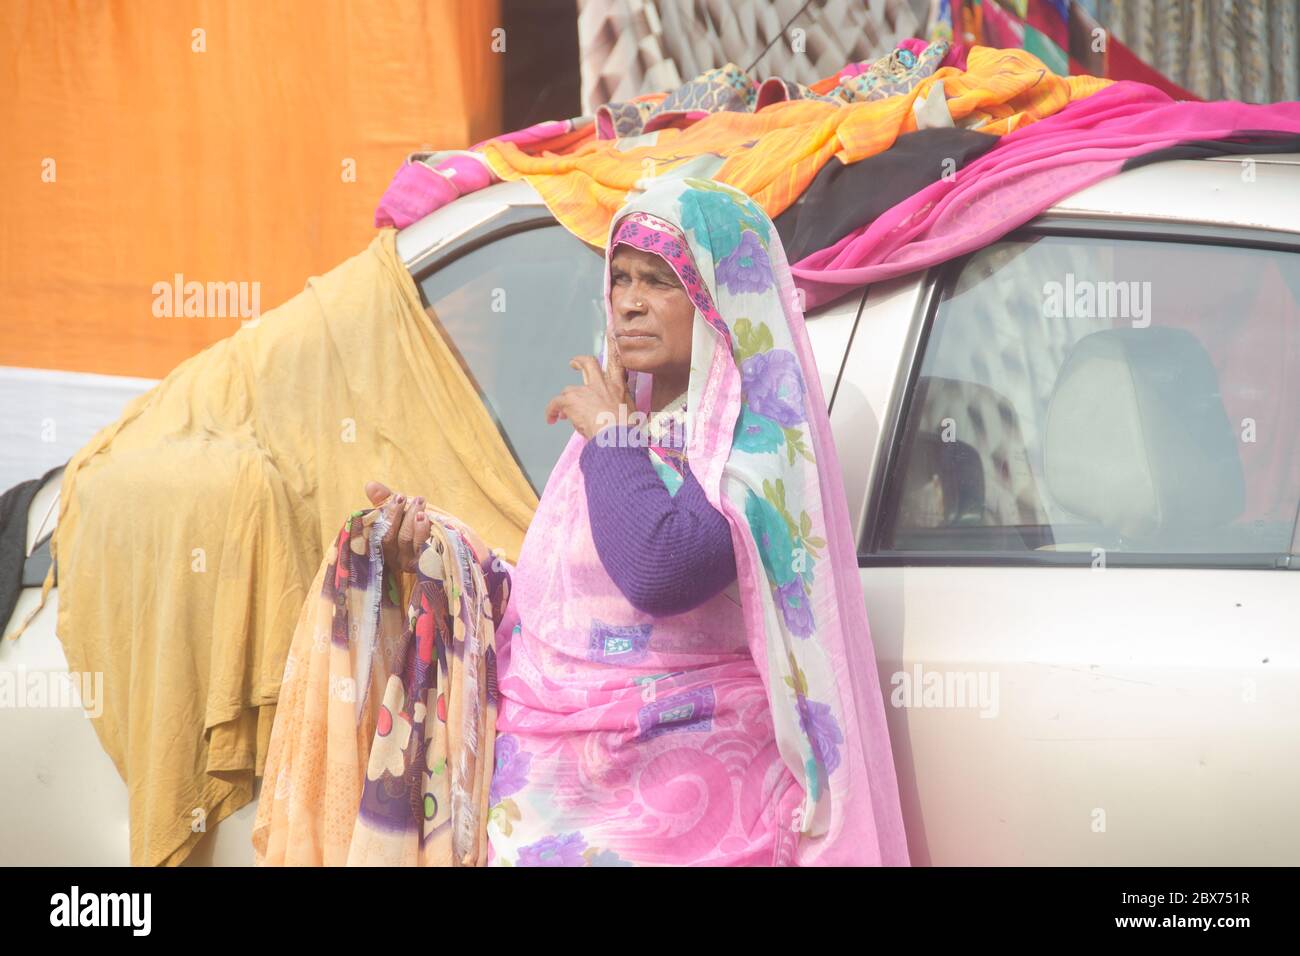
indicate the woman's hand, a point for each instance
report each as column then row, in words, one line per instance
column 407, row 524
column 595, row 403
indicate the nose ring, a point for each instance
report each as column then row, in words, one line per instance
column 639, row 305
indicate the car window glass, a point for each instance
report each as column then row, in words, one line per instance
column 516, row 311
column 1128, row 396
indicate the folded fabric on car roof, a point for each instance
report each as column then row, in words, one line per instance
column 843, row 197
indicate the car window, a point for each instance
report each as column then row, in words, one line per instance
column 1129, row 397
column 516, row 310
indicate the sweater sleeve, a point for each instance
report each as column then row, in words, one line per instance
column 667, row 553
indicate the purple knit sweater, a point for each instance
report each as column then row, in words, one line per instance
column 667, row 553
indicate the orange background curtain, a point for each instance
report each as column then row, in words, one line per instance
column 228, row 165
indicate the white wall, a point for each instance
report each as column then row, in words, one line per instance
column 48, row 415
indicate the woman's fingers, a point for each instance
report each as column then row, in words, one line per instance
column 588, row 366
column 406, row 537
column 376, row 492
column 408, row 526
column 618, row 374
column 555, row 409
column 421, row 535
column 410, row 521
column 614, row 363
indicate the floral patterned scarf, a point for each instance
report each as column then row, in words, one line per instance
column 382, row 748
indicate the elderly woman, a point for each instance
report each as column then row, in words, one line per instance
column 685, row 672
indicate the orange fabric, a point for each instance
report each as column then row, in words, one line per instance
column 774, row 154
column 566, row 142
column 826, row 85
column 225, row 165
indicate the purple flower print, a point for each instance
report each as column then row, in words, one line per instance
column 511, row 771
column 794, row 608
column 773, row 386
column 748, row 268
column 817, row 721
column 563, row 850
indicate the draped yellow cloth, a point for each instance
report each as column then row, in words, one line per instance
column 190, row 530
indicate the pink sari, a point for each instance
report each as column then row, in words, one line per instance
column 750, row 730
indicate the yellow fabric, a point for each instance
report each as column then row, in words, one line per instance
column 239, row 141
column 773, row 155
column 190, row 529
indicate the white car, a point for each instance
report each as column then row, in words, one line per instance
column 1073, row 463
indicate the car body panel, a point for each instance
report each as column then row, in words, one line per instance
column 1254, row 191
column 1134, row 716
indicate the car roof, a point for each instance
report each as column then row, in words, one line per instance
column 1251, row 190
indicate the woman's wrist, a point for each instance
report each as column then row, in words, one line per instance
column 605, row 431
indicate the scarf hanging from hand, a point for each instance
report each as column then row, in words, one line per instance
column 382, row 750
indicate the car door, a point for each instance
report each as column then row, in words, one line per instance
column 1076, row 459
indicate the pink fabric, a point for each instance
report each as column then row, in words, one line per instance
column 417, row 188
column 956, row 57
column 715, row 799
column 1023, row 175
column 1000, row 29
column 537, row 133
column 732, row 796
column 913, row 45
column 742, row 732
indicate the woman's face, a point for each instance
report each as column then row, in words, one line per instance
column 653, row 315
